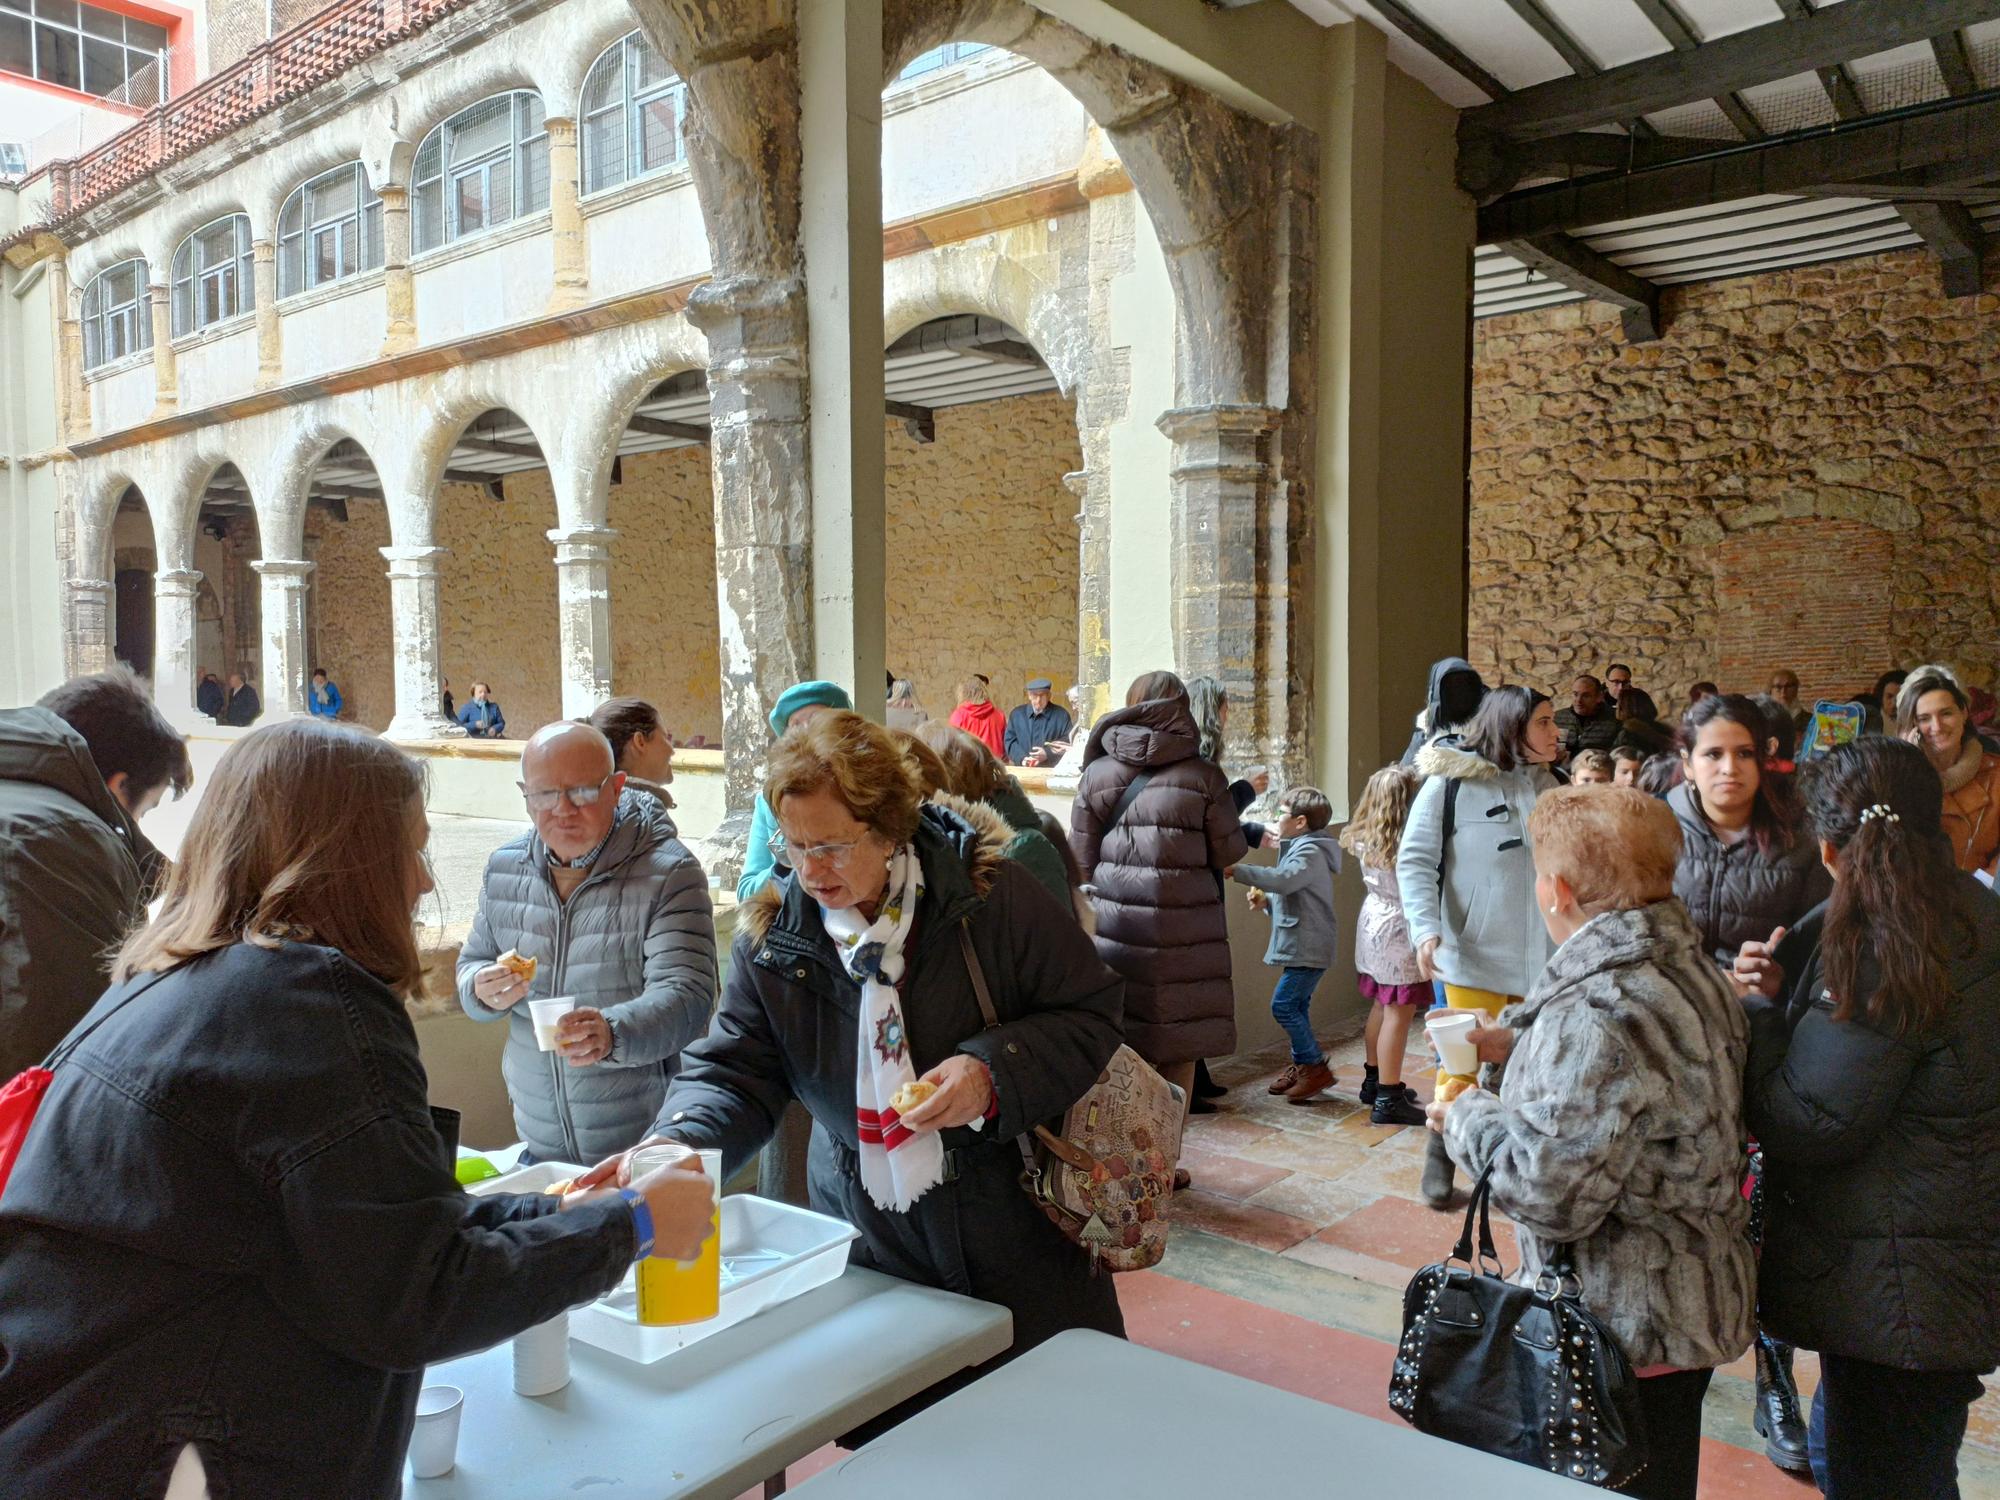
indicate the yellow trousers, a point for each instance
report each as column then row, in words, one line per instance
column 1458, row 997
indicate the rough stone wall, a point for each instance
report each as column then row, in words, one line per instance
column 982, row 566
column 347, row 610
column 982, row 576
column 1822, row 423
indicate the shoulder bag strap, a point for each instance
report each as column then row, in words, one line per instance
column 70, row 1044
column 992, row 1017
column 1132, row 789
column 1450, row 823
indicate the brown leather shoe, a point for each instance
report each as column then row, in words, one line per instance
column 1310, row 1084
column 1282, row 1084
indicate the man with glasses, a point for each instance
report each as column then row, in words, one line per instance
column 614, row 911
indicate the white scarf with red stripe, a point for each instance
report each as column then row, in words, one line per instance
column 897, row 1168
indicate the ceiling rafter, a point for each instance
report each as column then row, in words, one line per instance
column 1582, row 269
column 1439, row 46
column 1955, row 63
column 1680, row 34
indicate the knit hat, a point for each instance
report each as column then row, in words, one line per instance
column 830, row 694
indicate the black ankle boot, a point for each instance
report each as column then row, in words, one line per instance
column 1778, row 1420
column 1206, row 1087
column 1438, row 1169
column 1396, row 1105
column 1371, row 1081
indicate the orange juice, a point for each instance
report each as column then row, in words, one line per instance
column 684, row 1291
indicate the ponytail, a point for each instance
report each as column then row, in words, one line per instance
column 1898, row 902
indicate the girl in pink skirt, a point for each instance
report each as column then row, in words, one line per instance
column 1385, row 962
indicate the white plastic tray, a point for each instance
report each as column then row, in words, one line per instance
column 771, row 1252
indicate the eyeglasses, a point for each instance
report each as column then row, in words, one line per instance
column 786, row 853
column 579, row 796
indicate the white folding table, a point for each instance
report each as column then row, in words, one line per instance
column 720, row 1416
column 1089, row 1415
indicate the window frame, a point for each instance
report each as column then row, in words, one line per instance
column 436, row 204
column 85, row 38
column 298, row 237
column 624, row 56
column 228, row 282
column 950, row 55
column 135, row 315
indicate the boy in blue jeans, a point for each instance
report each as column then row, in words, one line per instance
column 1298, row 894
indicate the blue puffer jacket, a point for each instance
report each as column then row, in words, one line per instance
column 636, row 940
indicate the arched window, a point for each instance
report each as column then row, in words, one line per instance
column 116, row 319
column 329, row 229
column 938, row 58
column 212, row 276
column 484, row 166
column 633, row 106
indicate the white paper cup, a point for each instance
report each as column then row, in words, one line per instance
column 541, row 1357
column 434, row 1443
column 1451, row 1033
column 547, row 1016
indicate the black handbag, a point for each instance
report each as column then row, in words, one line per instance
column 1523, row 1372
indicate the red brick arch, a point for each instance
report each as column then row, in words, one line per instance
column 1809, row 594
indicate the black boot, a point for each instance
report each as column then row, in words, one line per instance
column 1206, row 1087
column 1778, row 1421
column 1438, row 1170
column 1371, row 1080
column 1396, row 1105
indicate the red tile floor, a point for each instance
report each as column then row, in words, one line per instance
column 1291, row 1251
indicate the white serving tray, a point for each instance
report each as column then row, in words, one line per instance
column 771, row 1252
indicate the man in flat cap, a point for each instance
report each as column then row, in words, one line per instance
column 1037, row 731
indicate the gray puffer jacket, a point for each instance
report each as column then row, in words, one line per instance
column 1474, row 891
column 1736, row 893
column 1618, row 1130
column 635, row 940
column 1305, row 933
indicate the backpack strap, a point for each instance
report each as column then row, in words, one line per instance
column 985, row 998
column 1450, row 822
column 1132, row 789
column 70, row 1044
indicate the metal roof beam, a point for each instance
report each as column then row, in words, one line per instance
column 1582, row 269
column 687, row 432
column 1938, row 134
column 1763, row 54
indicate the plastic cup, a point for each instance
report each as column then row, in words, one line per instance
column 547, row 1016
column 1451, row 1033
column 434, row 1443
column 541, row 1357
column 675, row 1292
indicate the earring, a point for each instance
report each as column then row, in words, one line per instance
column 1555, row 911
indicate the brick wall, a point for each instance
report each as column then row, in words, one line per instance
column 982, row 575
column 1801, row 472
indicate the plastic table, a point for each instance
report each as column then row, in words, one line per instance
column 1086, row 1414
column 718, row 1417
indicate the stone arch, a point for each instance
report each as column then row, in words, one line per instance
column 623, row 369
column 92, row 259
column 974, row 278
column 320, row 155
column 94, row 514
column 577, row 52
column 220, row 200
column 483, row 74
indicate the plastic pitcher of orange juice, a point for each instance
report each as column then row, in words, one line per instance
column 682, row 1291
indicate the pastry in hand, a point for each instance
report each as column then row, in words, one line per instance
column 1451, row 1088
column 910, row 1095
column 521, row 968
column 558, row 1189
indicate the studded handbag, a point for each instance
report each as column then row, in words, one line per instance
column 1520, row 1371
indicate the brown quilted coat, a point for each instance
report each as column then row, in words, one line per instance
column 1160, row 918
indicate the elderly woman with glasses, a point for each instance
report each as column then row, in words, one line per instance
column 612, row 911
column 851, row 990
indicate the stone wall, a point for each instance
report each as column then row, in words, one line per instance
column 982, row 576
column 1804, row 471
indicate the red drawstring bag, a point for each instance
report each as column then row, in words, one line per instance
column 18, row 1102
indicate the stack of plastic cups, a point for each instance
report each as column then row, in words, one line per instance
column 541, row 1357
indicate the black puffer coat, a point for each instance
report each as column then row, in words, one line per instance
column 788, row 1028
column 1735, row 892
column 1160, row 918
column 1882, row 1165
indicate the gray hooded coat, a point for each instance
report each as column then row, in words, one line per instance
column 1618, row 1130
column 1305, row 933
column 635, row 940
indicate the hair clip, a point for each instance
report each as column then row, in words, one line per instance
column 1883, row 811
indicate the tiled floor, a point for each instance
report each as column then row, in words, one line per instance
column 1290, row 1254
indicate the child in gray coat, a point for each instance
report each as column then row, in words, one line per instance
column 1298, row 894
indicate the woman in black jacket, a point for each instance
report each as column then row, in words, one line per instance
column 234, row 1226
column 840, row 947
column 1747, row 868
column 1874, row 1087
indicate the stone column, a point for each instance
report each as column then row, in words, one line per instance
column 413, row 604
column 840, row 110
column 583, row 595
column 398, row 291
column 165, row 392
column 174, row 592
column 572, row 271
column 270, row 348
column 283, row 606
column 72, row 402
column 763, row 519
column 1220, row 490
column 92, row 624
